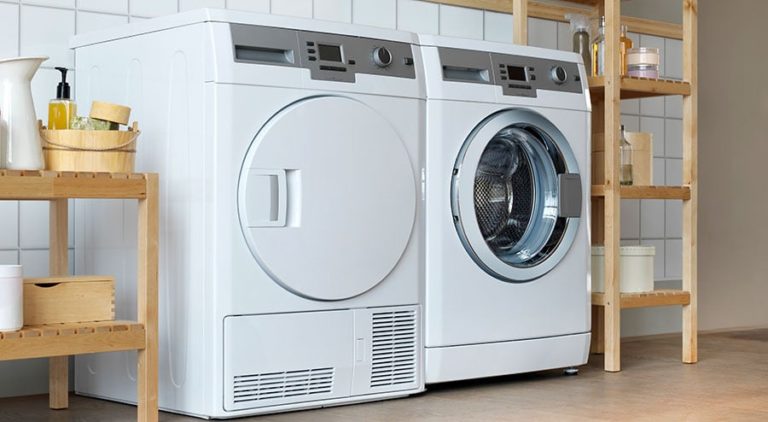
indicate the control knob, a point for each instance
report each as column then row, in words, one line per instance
column 558, row 75
column 382, row 57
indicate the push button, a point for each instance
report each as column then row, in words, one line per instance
column 408, row 61
column 311, row 51
column 312, row 58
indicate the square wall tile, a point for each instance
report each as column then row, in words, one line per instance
column 333, row 10
column 673, row 138
column 652, row 107
column 9, row 30
column 185, row 5
column 631, row 123
column 9, row 257
column 674, row 219
column 153, row 8
column 67, row 4
column 109, row 6
column 674, row 171
column 652, row 218
column 53, row 41
column 499, row 27
column 673, row 57
column 35, row 263
column 654, row 126
column 300, row 8
column 673, row 106
column 629, row 242
column 261, row 6
column 89, row 21
column 418, row 16
column 461, row 22
column 630, row 106
column 382, row 13
column 659, row 172
column 673, row 258
column 630, row 219
column 33, row 224
column 9, row 224
column 658, row 260
column 564, row 37
column 542, row 33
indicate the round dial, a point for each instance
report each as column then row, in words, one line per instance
column 382, row 57
column 559, row 75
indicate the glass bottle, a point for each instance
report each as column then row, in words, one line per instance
column 625, row 150
column 581, row 41
column 598, row 50
column 625, row 44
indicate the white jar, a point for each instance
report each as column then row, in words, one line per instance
column 11, row 298
column 635, row 269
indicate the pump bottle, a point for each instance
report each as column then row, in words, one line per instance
column 61, row 109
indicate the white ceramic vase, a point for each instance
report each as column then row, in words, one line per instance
column 20, row 144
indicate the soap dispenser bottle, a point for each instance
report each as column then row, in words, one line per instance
column 62, row 108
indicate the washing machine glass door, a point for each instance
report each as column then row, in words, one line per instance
column 327, row 198
column 516, row 195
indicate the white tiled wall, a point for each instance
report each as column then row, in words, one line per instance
column 32, row 27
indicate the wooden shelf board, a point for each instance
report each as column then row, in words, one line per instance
column 632, row 87
column 37, row 341
column 647, row 299
column 647, row 192
column 40, row 185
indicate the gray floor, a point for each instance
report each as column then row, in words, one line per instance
column 729, row 383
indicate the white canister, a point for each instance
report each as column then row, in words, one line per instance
column 635, row 269
column 11, row 298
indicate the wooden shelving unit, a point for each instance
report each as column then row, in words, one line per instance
column 59, row 341
column 606, row 93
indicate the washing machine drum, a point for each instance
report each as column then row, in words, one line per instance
column 327, row 198
column 516, row 195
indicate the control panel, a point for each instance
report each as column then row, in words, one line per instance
column 520, row 76
column 330, row 57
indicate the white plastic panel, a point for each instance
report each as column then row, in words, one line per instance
column 351, row 198
column 287, row 358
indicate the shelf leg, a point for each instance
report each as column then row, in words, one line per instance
column 690, row 178
column 58, row 367
column 520, row 17
column 148, row 302
column 598, row 330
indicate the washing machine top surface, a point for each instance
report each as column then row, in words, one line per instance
column 483, row 71
column 238, row 17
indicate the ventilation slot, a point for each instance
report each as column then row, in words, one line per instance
column 276, row 385
column 394, row 348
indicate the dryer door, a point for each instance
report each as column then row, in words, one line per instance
column 327, row 198
column 516, row 195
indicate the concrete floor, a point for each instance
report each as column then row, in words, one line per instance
column 730, row 382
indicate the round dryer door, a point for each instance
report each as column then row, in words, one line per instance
column 516, row 195
column 327, row 198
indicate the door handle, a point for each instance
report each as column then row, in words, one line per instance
column 569, row 195
column 266, row 198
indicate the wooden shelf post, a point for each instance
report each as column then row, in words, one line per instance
column 690, row 178
column 146, row 380
column 58, row 262
column 520, row 21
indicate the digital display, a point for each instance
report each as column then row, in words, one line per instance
column 330, row 53
column 516, row 73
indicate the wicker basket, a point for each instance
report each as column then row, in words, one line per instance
column 109, row 151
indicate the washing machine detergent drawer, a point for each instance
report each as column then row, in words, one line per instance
column 280, row 359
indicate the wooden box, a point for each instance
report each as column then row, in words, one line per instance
column 642, row 158
column 68, row 299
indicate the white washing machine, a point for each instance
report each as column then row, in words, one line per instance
column 507, row 230
column 290, row 160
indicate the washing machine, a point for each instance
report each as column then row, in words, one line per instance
column 291, row 215
column 507, row 225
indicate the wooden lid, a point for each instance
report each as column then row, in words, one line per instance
column 110, row 112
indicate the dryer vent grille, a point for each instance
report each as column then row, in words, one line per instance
column 394, row 348
column 276, row 385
